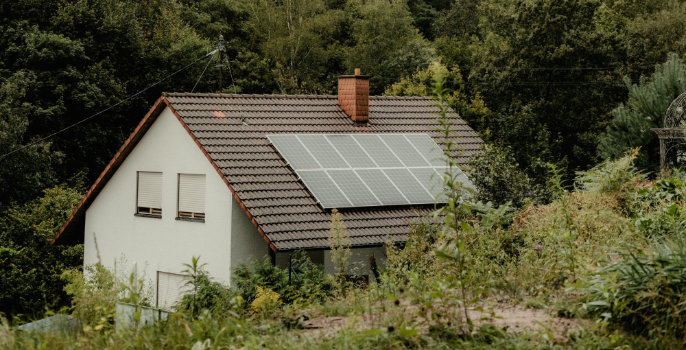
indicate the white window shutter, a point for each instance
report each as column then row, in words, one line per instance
column 192, row 193
column 170, row 289
column 149, row 189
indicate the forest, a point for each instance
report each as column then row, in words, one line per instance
column 572, row 215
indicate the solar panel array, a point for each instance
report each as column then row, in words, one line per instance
column 365, row 170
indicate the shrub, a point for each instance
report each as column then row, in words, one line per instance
column 266, row 301
column 498, row 179
column 94, row 295
column 618, row 177
column 247, row 277
column 308, row 281
column 339, row 242
column 417, row 254
column 645, row 292
column 30, row 268
column 210, row 295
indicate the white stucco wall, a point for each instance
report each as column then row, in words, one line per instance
column 125, row 241
column 246, row 242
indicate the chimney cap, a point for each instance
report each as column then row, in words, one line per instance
column 357, row 74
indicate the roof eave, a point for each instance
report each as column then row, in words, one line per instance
column 76, row 222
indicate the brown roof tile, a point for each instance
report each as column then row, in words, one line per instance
column 232, row 130
column 268, row 188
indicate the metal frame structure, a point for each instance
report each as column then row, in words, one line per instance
column 673, row 132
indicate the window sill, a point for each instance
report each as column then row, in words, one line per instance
column 190, row 219
column 154, row 216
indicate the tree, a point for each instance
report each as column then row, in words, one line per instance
column 653, row 34
column 300, row 39
column 29, row 266
column 385, row 45
column 644, row 109
column 470, row 108
column 529, row 63
column 26, row 171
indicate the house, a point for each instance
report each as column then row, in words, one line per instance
column 232, row 177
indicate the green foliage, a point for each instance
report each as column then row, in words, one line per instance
column 299, row 39
column 25, row 173
column 339, row 243
column 498, row 178
column 385, row 45
column 527, row 60
column 266, row 301
column 94, row 294
column 471, row 109
column 617, row 176
column 644, row 109
column 29, row 266
column 306, row 283
column 206, row 294
column 417, row 255
column 644, row 291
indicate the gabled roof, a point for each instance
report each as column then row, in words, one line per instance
column 231, row 130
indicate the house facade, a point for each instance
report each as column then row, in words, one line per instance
column 203, row 175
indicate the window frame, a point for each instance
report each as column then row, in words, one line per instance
column 186, row 215
column 148, row 212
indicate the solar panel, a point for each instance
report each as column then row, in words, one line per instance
column 323, row 151
column 324, row 189
column 413, row 190
column 382, row 187
column 293, row 151
column 404, row 150
column 361, row 170
column 382, row 156
column 353, row 153
column 356, row 191
column 430, row 179
column 428, row 148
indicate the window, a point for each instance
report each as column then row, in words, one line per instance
column 149, row 194
column 170, row 289
column 191, row 196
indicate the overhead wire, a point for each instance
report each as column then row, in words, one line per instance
column 203, row 73
column 106, row 109
column 212, row 53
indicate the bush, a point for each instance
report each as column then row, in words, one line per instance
column 498, row 179
column 618, row 177
column 30, row 268
column 94, row 294
column 645, row 292
column 266, row 301
column 210, row 295
column 307, row 282
column 417, row 254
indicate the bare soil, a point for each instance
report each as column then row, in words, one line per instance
column 511, row 318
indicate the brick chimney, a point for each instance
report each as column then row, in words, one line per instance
column 353, row 96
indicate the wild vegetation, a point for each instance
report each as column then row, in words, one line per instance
column 607, row 255
column 571, row 222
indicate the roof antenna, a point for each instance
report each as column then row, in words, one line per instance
column 221, row 49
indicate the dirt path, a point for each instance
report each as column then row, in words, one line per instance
column 512, row 318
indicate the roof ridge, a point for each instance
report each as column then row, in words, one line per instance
column 212, row 94
column 326, row 96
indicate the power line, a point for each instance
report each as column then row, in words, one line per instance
column 106, row 109
column 201, row 74
column 504, row 68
